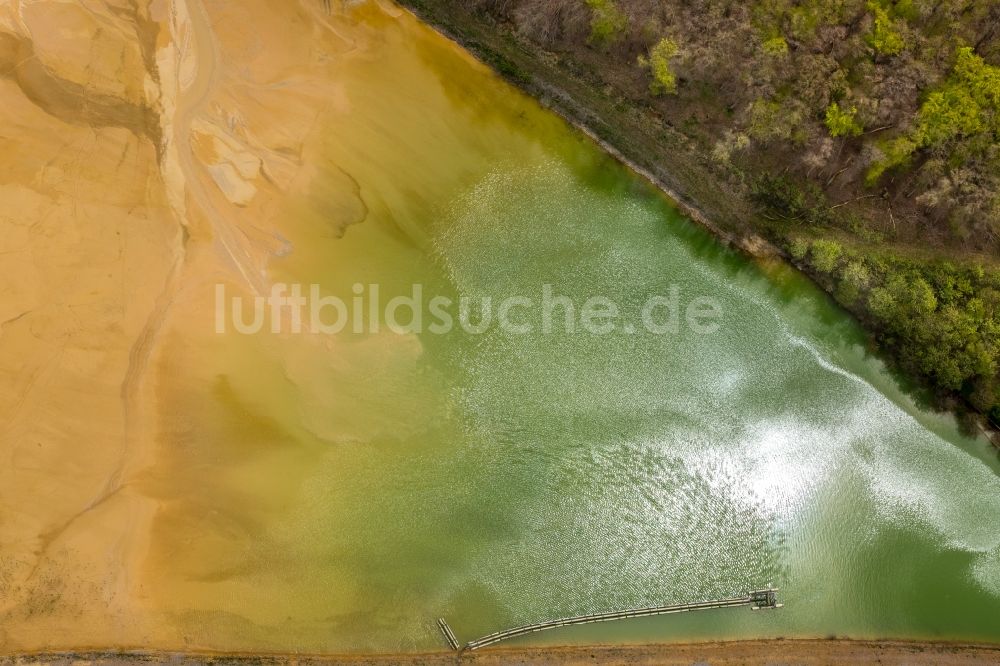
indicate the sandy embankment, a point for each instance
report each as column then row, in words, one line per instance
column 145, row 156
column 88, row 242
column 735, row 653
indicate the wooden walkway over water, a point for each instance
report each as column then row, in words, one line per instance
column 756, row 600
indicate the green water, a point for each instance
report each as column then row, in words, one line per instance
column 351, row 491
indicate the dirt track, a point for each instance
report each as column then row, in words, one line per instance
column 772, row 653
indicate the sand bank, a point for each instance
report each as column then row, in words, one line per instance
column 149, row 149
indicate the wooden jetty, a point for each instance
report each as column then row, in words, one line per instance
column 756, row 600
column 449, row 635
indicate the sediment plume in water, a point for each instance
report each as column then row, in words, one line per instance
column 166, row 486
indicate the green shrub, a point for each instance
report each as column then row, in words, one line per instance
column 825, row 254
column 895, row 152
column 847, row 294
column 607, row 22
column 944, row 323
column 982, row 80
column 884, row 37
column 798, row 248
column 857, row 274
column 946, row 114
column 775, row 46
column 881, row 303
column 843, row 122
column 658, row 62
column 855, row 279
column 967, row 105
column 767, row 121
